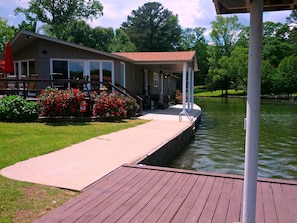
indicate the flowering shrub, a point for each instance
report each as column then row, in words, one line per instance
column 16, row 108
column 109, row 106
column 54, row 102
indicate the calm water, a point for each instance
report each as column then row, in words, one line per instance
column 219, row 142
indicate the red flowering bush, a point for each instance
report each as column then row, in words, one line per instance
column 54, row 102
column 109, row 106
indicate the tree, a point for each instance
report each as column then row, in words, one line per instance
column 57, row 13
column 121, row 43
column 193, row 39
column 103, row 38
column 153, row 28
column 224, row 33
column 287, row 75
column 268, row 79
column 6, row 33
column 292, row 22
column 78, row 32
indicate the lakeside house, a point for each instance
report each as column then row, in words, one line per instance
column 152, row 75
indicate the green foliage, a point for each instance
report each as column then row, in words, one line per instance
column 6, row 33
column 16, row 108
column 287, row 75
column 121, row 42
column 268, row 81
column 153, row 28
column 224, row 33
column 57, row 13
column 193, row 39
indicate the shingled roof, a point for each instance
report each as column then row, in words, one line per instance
column 178, row 57
column 184, row 56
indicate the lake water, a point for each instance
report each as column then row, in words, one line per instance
column 219, row 142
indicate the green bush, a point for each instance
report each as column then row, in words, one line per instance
column 16, row 108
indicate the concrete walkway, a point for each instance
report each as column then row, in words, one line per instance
column 79, row 165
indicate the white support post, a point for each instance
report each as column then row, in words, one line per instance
column 192, row 93
column 162, row 88
column 184, row 86
column 253, row 113
column 189, row 87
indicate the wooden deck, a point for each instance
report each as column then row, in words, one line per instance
column 134, row 193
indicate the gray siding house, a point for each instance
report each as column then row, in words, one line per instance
column 143, row 73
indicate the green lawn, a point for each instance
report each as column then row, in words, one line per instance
column 23, row 202
column 202, row 92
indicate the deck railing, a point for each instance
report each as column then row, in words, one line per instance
column 24, row 86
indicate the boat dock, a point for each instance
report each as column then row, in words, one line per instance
column 139, row 193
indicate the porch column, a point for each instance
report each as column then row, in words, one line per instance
column 189, row 87
column 253, row 113
column 184, row 86
column 162, row 88
column 192, row 93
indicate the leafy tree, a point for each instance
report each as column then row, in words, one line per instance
column 6, row 33
column 190, row 37
column 292, row 22
column 121, row 43
column 78, row 32
column 29, row 26
column 153, row 28
column 103, row 38
column 287, row 75
column 243, row 37
column 268, row 79
column 57, row 13
column 224, row 33
column 274, row 50
column 239, row 69
column 193, row 39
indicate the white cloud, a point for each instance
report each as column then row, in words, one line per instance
column 196, row 13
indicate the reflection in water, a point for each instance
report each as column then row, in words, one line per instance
column 219, row 142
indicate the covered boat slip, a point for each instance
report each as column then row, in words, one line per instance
column 137, row 193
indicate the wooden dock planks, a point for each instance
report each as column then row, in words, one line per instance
column 134, row 193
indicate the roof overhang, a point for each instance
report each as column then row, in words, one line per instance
column 163, row 61
column 243, row 6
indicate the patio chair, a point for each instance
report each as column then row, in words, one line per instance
column 11, row 85
column 31, row 85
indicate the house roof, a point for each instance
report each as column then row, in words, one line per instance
column 243, row 6
column 24, row 38
column 162, row 58
column 183, row 56
column 152, row 60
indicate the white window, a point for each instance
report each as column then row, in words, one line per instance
column 123, row 75
column 156, row 79
column 24, row 68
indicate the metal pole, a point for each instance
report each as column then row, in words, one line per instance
column 253, row 113
column 192, row 98
column 189, row 87
column 184, row 85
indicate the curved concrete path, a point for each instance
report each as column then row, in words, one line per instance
column 79, row 165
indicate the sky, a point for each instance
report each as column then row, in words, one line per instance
column 191, row 14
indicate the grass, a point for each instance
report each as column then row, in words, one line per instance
column 23, row 202
column 202, row 92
